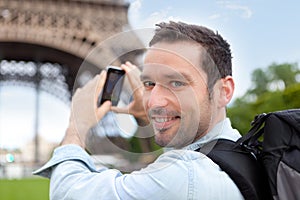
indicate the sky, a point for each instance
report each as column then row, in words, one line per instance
column 17, row 116
column 260, row 33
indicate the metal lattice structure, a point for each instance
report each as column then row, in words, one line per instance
column 60, row 31
column 45, row 76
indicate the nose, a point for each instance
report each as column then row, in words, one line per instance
column 158, row 96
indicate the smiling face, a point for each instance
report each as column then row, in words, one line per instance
column 176, row 95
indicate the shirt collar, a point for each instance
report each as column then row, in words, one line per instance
column 222, row 130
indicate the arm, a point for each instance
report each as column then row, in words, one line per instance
column 84, row 111
column 73, row 176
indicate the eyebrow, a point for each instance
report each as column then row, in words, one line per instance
column 178, row 75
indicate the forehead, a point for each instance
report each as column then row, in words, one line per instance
column 181, row 57
column 182, row 52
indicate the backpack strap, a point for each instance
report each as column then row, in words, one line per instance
column 240, row 165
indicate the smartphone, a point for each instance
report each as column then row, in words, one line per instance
column 112, row 86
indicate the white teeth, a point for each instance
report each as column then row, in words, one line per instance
column 163, row 119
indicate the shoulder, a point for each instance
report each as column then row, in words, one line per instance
column 200, row 176
column 183, row 155
column 184, row 160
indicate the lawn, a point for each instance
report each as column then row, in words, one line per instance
column 20, row 189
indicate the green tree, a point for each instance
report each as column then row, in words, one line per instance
column 285, row 72
column 267, row 99
column 260, row 82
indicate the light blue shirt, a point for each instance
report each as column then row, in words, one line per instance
column 176, row 174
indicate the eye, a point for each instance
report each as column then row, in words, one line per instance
column 148, row 84
column 177, row 84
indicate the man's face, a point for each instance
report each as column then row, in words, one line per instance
column 176, row 95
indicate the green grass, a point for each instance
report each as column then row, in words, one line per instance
column 21, row 189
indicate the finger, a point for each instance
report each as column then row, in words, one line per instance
column 133, row 74
column 119, row 110
column 128, row 66
column 103, row 109
column 76, row 92
column 100, row 81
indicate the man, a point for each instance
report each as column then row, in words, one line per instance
column 187, row 84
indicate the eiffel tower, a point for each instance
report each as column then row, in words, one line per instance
column 45, row 43
column 59, row 31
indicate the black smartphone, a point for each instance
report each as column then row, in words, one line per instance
column 112, row 86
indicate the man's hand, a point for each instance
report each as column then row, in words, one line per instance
column 136, row 107
column 84, row 111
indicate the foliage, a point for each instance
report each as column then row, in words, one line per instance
column 276, row 88
column 20, row 189
column 274, row 77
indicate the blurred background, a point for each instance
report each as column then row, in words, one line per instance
column 48, row 48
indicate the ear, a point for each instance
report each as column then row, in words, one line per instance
column 226, row 90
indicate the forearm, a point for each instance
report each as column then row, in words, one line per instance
column 72, row 136
column 73, row 180
column 73, row 175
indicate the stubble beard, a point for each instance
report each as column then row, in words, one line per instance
column 187, row 133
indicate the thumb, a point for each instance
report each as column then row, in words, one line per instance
column 103, row 109
column 124, row 110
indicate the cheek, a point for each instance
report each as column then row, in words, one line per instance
column 195, row 102
column 187, row 101
column 191, row 96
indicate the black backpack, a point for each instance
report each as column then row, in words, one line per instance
column 267, row 169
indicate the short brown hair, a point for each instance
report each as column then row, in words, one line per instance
column 217, row 63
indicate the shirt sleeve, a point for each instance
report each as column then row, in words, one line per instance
column 64, row 153
column 74, row 176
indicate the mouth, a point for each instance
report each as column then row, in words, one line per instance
column 162, row 123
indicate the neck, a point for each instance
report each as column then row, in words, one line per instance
column 215, row 119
